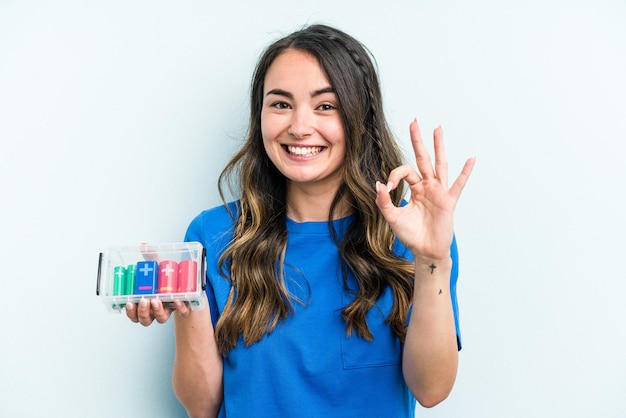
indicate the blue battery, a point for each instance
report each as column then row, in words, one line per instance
column 146, row 277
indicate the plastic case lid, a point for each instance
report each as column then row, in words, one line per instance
column 168, row 272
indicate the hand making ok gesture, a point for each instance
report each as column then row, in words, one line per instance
column 425, row 223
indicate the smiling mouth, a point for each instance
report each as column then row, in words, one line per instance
column 303, row 151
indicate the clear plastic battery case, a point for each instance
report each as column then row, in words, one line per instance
column 168, row 272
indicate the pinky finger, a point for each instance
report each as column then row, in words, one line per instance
column 461, row 180
column 182, row 308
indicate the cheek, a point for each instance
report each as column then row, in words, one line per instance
column 268, row 128
column 269, row 141
column 265, row 132
column 338, row 135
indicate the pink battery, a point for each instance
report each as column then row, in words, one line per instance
column 168, row 277
column 187, row 274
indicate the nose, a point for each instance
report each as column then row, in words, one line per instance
column 301, row 125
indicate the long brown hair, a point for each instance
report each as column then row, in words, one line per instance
column 253, row 261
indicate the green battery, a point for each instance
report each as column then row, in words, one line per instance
column 119, row 275
column 129, row 280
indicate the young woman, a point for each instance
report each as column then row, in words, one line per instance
column 328, row 294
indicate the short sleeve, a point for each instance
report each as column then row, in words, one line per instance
column 454, row 275
column 195, row 232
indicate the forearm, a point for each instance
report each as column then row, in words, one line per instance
column 430, row 355
column 198, row 366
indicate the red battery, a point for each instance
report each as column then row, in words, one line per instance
column 168, row 277
column 187, row 276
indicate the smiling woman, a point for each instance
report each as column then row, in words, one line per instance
column 302, row 129
column 320, row 276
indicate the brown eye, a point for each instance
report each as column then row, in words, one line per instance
column 280, row 105
column 326, row 106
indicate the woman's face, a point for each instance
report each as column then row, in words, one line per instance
column 301, row 125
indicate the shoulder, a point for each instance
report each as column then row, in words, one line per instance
column 212, row 223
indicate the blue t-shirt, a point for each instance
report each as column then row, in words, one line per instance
column 308, row 367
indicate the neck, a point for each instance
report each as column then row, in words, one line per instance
column 305, row 204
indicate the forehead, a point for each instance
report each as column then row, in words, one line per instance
column 295, row 67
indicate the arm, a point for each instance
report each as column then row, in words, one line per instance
column 425, row 226
column 198, row 366
column 430, row 355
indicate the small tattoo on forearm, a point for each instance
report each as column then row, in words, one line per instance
column 432, row 268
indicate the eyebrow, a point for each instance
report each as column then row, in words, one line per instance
column 288, row 95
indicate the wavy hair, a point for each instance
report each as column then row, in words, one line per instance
column 254, row 259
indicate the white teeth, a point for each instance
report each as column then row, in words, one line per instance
column 303, row 151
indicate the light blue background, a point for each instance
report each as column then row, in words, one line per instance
column 116, row 118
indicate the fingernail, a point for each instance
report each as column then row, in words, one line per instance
column 154, row 303
column 377, row 186
column 389, row 186
column 143, row 303
column 130, row 306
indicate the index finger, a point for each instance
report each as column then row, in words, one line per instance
column 131, row 312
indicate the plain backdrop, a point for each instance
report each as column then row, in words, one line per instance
column 116, row 118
